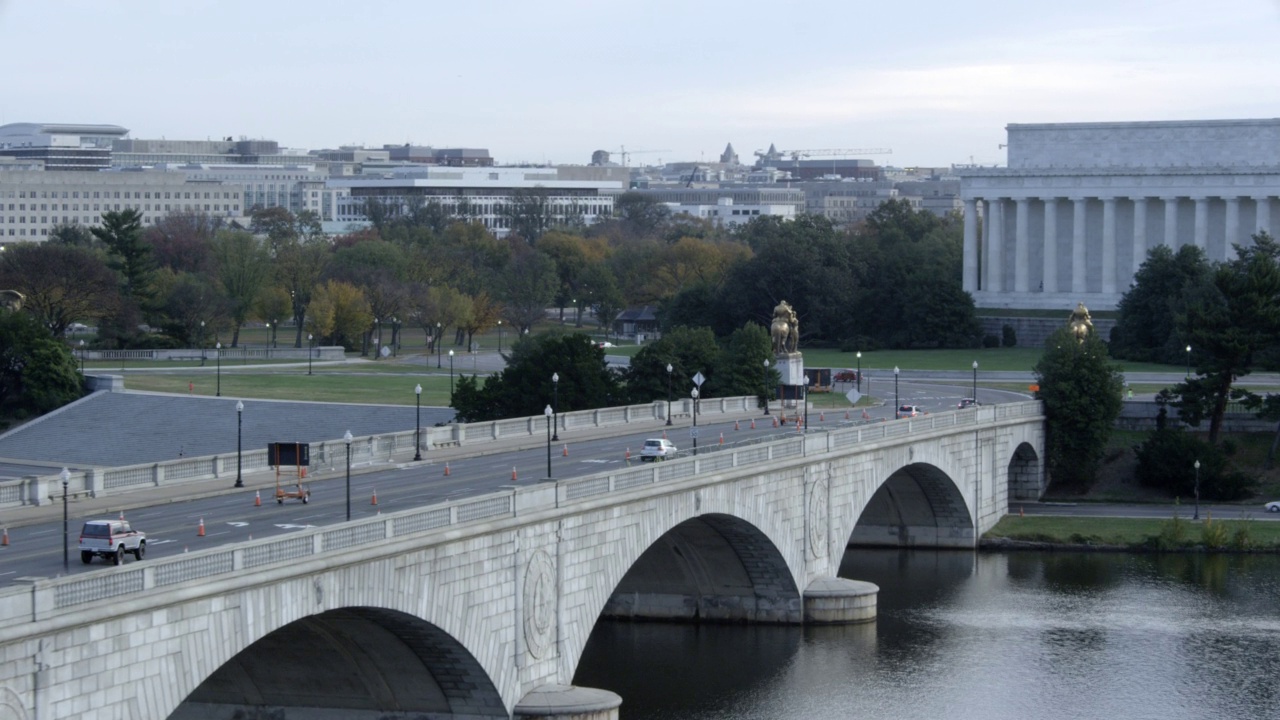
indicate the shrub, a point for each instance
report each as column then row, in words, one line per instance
column 1241, row 539
column 990, row 341
column 1173, row 533
column 1213, row 535
column 1167, row 460
column 1008, row 337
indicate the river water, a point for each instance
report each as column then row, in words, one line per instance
column 1049, row 636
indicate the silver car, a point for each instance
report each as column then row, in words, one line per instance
column 657, row 449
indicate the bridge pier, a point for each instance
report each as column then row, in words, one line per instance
column 567, row 702
column 837, row 601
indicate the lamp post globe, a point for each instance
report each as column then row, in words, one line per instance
column 239, row 445
column 417, row 422
column 555, row 405
column 669, row 369
column 548, row 412
column 346, row 438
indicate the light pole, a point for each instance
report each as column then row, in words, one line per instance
column 395, row 337
column 859, row 378
column 975, row 382
column 555, row 404
column 450, row 376
column 806, row 405
column 218, row 356
column 239, row 446
column 417, row 424
column 895, row 392
column 346, row 438
column 1188, row 362
column 548, row 412
column 311, row 351
column 499, row 337
column 438, row 331
column 1196, row 516
column 669, row 368
column 766, row 386
column 82, row 357
column 694, row 394
column 202, row 353
column 66, row 535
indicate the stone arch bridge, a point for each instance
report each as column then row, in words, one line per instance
column 482, row 608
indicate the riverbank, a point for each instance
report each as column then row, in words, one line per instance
column 1174, row 534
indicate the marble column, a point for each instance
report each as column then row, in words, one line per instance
column 1077, row 245
column 995, row 265
column 971, row 245
column 1109, row 245
column 1202, row 223
column 1021, row 271
column 1264, row 215
column 1170, row 221
column 1139, row 233
column 1051, row 245
column 1233, row 229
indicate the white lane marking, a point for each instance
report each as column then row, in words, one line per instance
column 287, row 526
column 238, row 524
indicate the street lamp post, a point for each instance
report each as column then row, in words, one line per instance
column 218, row 355
column 202, row 353
column 766, row 386
column 1188, row 362
column 346, row 438
column 395, row 337
column 669, row 368
column 555, row 405
column 66, row 533
column 450, row 376
column 895, row 391
column 377, row 343
column 499, row 337
column 694, row 394
column 1196, row 516
column 548, row 412
column 975, row 382
column 859, row 378
column 311, row 351
column 417, row 424
column 82, row 357
column 438, row 331
column 239, row 445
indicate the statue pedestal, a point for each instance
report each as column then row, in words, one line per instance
column 790, row 367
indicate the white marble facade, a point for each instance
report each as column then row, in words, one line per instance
column 1079, row 206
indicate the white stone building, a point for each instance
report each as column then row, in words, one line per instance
column 726, row 213
column 1074, row 214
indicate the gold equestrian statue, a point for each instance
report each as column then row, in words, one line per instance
column 785, row 329
column 1080, row 323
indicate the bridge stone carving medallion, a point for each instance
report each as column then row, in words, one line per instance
column 539, row 604
column 817, row 511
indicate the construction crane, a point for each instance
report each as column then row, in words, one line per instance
column 625, row 153
column 822, row 152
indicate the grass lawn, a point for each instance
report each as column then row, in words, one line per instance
column 1138, row 532
column 374, row 387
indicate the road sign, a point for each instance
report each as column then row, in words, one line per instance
column 698, row 379
column 693, row 432
column 854, row 396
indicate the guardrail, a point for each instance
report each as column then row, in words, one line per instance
column 42, row 598
column 98, row 482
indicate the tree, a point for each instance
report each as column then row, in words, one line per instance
column 1229, row 324
column 641, row 215
column 528, row 285
column 1147, row 326
column 299, row 265
column 130, row 255
column 62, row 283
column 528, row 213
column 243, row 268
column 689, row 351
column 739, row 367
column 181, row 240
column 37, row 372
column 192, row 307
column 342, row 310
column 1081, row 389
column 74, row 235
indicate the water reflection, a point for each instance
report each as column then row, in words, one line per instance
column 1055, row 636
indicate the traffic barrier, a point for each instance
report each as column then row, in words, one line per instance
column 446, row 469
column 257, row 498
column 565, row 453
column 200, row 530
column 374, row 501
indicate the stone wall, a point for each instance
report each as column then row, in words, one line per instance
column 1032, row 332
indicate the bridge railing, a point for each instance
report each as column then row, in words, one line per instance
column 384, row 447
column 34, row 599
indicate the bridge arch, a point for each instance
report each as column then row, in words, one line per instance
column 362, row 661
column 918, row 504
column 1026, row 474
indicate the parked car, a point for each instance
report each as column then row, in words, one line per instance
column 604, row 344
column 657, row 449
column 908, row 411
column 1273, row 506
column 967, row 402
column 111, row 539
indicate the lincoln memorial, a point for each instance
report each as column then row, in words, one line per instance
column 1077, row 209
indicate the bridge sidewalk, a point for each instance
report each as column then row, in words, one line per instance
column 81, row 506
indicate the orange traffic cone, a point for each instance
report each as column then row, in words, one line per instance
column 753, row 423
column 200, row 531
column 257, row 499
column 721, row 438
column 735, row 425
column 513, row 473
column 250, row 536
column 4, row 541
column 822, row 417
column 121, row 516
column 375, row 498
column 446, row 469
column 566, row 451
column 846, row 414
column 664, row 434
column 628, row 455
column 775, row 422
column 865, row 416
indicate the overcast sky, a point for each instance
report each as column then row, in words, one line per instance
column 546, row 80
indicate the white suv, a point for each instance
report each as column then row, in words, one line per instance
column 657, row 449
column 111, row 539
